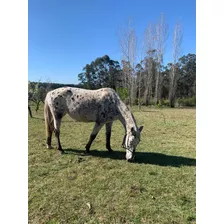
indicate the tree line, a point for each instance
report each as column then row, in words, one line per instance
column 141, row 77
column 104, row 72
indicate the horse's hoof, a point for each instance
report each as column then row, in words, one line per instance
column 62, row 152
column 110, row 150
column 87, row 149
column 49, row 147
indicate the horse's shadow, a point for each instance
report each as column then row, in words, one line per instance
column 140, row 157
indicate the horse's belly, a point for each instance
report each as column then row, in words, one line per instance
column 78, row 116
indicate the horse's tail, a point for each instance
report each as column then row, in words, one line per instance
column 49, row 121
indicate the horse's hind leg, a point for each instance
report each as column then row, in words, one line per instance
column 49, row 124
column 57, row 124
column 49, row 136
column 57, row 134
column 93, row 135
column 108, row 135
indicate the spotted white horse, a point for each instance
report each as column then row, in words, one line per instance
column 102, row 106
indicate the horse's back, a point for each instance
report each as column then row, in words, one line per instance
column 65, row 90
column 82, row 104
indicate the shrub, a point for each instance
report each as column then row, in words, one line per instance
column 189, row 102
column 164, row 102
column 122, row 92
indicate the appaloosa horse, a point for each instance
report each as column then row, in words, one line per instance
column 102, row 106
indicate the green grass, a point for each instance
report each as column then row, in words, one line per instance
column 158, row 188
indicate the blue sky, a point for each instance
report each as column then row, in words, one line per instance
column 63, row 36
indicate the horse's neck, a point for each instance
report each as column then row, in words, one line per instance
column 127, row 118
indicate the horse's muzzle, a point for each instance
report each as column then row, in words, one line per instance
column 131, row 159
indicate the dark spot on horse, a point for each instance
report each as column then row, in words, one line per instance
column 59, row 115
column 72, row 98
column 103, row 114
column 56, row 103
column 59, row 95
column 77, row 96
column 69, row 92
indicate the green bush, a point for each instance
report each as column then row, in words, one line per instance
column 136, row 101
column 189, row 102
column 164, row 102
column 159, row 104
column 122, row 92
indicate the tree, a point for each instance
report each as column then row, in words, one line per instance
column 149, row 63
column 187, row 76
column 139, row 72
column 161, row 34
column 36, row 93
column 103, row 72
column 165, row 82
column 149, row 77
column 174, row 71
column 128, row 44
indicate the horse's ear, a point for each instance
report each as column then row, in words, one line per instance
column 140, row 129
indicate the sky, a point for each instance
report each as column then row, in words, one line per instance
column 64, row 36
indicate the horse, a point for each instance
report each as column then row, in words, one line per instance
column 102, row 106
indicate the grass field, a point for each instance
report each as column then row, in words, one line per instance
column 160, row 187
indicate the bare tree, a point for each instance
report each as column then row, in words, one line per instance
column 150, row 72
column 128, row 44
column 149, row 63
column 140, row 69
column 140, row 72
column 176, row 51
column 161, row 34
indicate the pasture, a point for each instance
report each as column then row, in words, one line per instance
column 159, row 187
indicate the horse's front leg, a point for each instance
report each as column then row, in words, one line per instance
column 108, row 135
column 123, row 143
column 124, row 138
column 93, row 135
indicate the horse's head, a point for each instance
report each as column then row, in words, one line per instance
column 131, row 141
